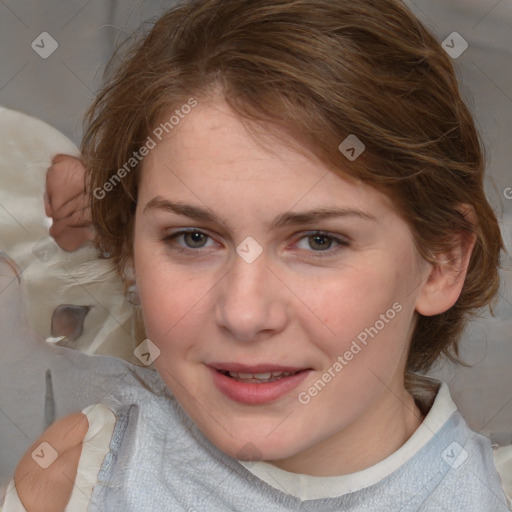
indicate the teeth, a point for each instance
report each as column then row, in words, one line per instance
column 260, row 377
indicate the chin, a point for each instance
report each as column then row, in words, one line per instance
column 255, row 448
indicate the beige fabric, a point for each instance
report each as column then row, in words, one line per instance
column 503, row 461
column 12, row 501
column 27, row 146
column 101, row 426
column 95, row 446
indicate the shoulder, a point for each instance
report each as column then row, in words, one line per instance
column 45, row 475
column 472, row 477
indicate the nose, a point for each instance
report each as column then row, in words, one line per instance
column 252, row 301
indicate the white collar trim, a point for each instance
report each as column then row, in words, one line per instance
column 307, row 487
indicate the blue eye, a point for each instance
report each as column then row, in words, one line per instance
column 319, row 243
column 322, row 243
column 193, row 239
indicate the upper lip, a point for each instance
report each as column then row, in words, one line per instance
column 256, row 368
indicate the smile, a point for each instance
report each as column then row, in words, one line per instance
column 258, row 377
column 255, row 385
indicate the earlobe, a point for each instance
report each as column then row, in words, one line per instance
column 443, row 284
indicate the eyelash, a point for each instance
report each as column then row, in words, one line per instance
column 168, row 240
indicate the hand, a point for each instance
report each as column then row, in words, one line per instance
column 65, row 201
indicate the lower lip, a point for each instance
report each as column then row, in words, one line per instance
column 254, row 393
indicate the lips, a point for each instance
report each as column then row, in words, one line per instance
column 255, row 373
column 258, row 368
column 256, row 384
column 257, row 377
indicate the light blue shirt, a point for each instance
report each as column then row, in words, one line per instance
column 160, row 461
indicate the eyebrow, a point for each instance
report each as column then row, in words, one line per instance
column 285, row 219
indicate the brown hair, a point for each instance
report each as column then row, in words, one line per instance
column 317, row 70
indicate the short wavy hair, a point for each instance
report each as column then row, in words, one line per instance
column 316, row 70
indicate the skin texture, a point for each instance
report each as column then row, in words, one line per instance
column 65, row 202
column 301, row 303
column 49, row 489
column 295, row 305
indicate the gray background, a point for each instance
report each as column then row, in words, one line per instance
column 59, row 89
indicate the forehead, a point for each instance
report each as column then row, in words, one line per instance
column 213, row 156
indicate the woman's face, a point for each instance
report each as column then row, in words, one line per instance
column 263, row 263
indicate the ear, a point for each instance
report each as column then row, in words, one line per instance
column 446, row 278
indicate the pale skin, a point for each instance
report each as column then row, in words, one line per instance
column 292, row 306
column 288, row 307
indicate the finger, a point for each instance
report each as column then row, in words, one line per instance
column 47, row 196
column 64, row 180
column 48, row 210
column 76, row 205
column 59, row 157
column 73, row 221
column 71, row 238
column 64, row 176
column 66, row 163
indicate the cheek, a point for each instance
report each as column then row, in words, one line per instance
column 364, row 319
column 172, row 300
column 164, row 303
column 158, row 295
column 353, row 301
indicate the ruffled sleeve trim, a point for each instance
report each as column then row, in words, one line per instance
column 95, row 447
column 503, row 462
column 12, row 501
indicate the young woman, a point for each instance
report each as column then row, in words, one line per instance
column 296, row 188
